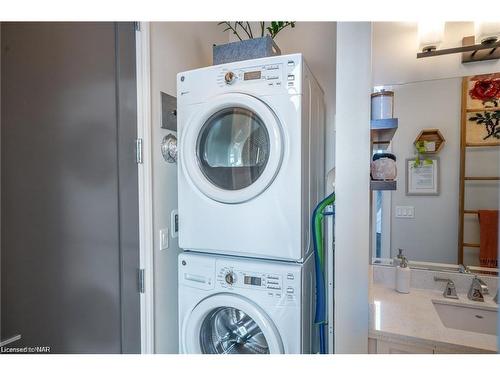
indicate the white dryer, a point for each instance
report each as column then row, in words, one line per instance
column 251, row 157
column 245, row 306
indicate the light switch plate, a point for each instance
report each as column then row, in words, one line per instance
column 163, row 239
column 405, row 212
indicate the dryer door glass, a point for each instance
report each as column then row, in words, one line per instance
column 227, row 330
column 233, row 148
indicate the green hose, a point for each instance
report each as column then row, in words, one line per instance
column 319, row 262
column 318, row 227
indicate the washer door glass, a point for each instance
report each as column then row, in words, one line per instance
column 233, row 148
column 228, row 330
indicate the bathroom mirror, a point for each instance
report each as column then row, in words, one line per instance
column 427, row 227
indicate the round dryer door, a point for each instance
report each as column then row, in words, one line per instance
column 229, row 324
column 232, row 148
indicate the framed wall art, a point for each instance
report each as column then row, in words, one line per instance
column 481, row 110
column 422, row 179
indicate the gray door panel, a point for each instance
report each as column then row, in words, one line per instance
column 66, row 247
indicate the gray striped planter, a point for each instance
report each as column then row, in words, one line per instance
column 245, row 50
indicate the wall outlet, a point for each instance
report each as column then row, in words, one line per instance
column 163, row 238
column 405, row 212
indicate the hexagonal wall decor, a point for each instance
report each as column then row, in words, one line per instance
column 434, row 138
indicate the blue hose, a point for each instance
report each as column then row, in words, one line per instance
column 317, row 222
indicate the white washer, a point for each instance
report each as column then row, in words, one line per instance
column 241, row 305
column 251, row 157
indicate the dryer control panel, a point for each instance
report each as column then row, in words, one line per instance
column 271, row 75
column 276, row 75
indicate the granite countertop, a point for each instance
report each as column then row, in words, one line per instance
column 413, row 319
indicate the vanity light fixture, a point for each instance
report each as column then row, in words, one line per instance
column 484, row 45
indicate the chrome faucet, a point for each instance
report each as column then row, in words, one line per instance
column 477, row 290
column 450, row 291
column 463, row 269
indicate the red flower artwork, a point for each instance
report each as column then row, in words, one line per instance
column 487, row 90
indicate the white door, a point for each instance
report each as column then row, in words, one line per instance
column 226, row 323
column 232, row 148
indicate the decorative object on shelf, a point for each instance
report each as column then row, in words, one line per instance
column 433, row 140
column 428, row 141
column 382, row 105
column 422, row 179
column 482, row 110
column 421, row 148
column 484, row 45
column 250, row 45
column 383, row 167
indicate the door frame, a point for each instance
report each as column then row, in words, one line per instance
column 145, row 178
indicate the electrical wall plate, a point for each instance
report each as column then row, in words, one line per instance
column 168, row 112
column 405, row 212
column 163, row 239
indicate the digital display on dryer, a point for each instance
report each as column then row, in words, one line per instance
column 252, row 75
column 252, row 280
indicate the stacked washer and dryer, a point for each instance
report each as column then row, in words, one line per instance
column 251, row 171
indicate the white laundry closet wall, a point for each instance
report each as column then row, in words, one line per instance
column 175, row 47
column 352, row 226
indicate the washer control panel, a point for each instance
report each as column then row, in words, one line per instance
column 272, row 75
column 228, row 277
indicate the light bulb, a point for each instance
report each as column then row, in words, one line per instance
column 430, row 35
column 486, row 32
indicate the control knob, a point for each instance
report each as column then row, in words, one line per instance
column 229, row 278
column 229, row 77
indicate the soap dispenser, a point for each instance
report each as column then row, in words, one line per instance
column 403, row 276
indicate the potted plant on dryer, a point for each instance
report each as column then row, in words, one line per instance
column 250, row 45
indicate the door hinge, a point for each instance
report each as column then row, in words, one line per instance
column 140, row 277
column 138, row 151
column 137, row 26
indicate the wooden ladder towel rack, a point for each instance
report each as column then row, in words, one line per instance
column 464, row 145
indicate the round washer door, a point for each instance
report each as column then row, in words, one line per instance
column 232, row 148
column 229, row 324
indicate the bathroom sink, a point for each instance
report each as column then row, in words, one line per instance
column 467, row 317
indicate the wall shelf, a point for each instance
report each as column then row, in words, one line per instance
column 382, row 132
column 431, row 135
column 383, row 185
